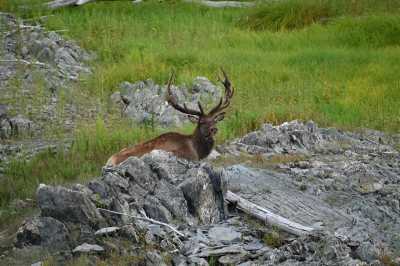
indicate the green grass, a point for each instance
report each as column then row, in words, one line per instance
column 335, row 62
column 297, row 14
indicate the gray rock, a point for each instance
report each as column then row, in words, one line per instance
column 154, row 258
column 232, row 249
column 204, row 194
column 67, row 205
column 45, row 231
column 88, row 248
column 367, row 252
column 225, row 235
column 3, row 111
column 21, row 126
column 196, row 261
column 144, row 101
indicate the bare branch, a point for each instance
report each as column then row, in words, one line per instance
column 146, row 219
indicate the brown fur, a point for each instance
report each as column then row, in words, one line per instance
column 180, row 145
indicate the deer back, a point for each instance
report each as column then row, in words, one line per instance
column 176, row 143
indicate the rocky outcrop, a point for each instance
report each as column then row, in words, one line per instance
column 313, row 176
column 41, row 52
column 346, row 182
column 144, row 101
column 157, row 186
column 36, row 65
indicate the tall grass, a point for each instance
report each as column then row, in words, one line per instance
column 297, row 14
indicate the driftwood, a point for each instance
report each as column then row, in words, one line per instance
column 147, row 220
column 268, row 216
column 221, row 4
column 216, row 4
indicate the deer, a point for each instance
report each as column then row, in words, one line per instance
column 193, row 147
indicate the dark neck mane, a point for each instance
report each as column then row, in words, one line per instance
column 202, row 144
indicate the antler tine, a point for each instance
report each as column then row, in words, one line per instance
column 172, row 101
column 229, row 90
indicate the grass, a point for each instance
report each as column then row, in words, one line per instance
column 335, row 62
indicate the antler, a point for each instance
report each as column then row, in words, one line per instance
column 172, row 101
column 223, row 103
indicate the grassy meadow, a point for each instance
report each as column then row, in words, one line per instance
column 334, row 62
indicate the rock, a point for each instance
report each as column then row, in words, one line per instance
column 107, row 231
column 88, row 248
column 145, row 101
column 253, row 246
column 21, row 126
column 67, row 205
column 5, row 129
column 224, row 235
column 197, row 261
column 233, row 249
column 50, row 60
column 45, row 231
column 39, row 263
column 232, row 259
column 204, row 194
column 367, row 252
column 3, row 111
column 154, row 258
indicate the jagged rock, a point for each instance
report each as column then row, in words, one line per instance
column 67, row 205
column 88, row 248
column 45, row 231
column 37, row 59
column 145, row 102
column 204, row 194
column 21, row 125
column 367, row 252
column 335, row 165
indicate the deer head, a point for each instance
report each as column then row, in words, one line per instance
column 206, row 123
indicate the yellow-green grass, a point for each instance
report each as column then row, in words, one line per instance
column 342, row 72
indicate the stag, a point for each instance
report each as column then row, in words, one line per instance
column 194, row 147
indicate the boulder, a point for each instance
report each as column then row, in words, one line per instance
column 67, row 205
column 21, row 126
column 145, row 102
column 44, row 231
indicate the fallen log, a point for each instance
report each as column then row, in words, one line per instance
column 60, row 3
column 221, row 4
column 217, row 4
column 268, row 216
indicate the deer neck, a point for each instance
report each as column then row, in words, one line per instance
column 202, row 144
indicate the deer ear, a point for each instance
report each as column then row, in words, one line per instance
column 219, row 117
column 193, row 119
